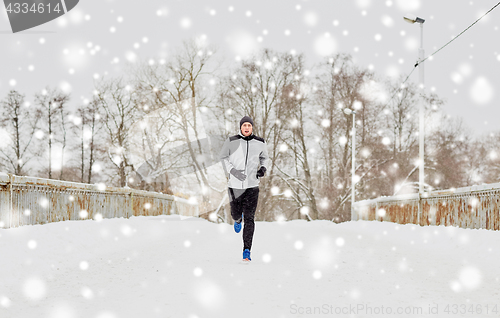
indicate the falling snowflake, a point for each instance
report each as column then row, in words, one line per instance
column 243, row 43
column 209, row 295
column 275, row 190
column 266, row 258
column 32, row 244
column 408, row 5
column 84, row 265
column 5, row 302
column 185, row 23
column 87, row 293
column 325, row 45
column 388, row 21
column 197, row 272
column 304, row 210
column 63, row 311
column 470, row 277
column 298, row 245
column 83, row 214
column 34, row 288
column 311, row 18
column 317, row 274
column 340, row 241
column 482, row 92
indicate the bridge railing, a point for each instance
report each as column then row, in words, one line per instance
column 476, row 207
column 29, row 201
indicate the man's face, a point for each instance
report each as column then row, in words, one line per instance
column 246, row 129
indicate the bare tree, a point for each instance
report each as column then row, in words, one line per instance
column 152, row 150
column 20, row 123
column 301, row 131
column 63, row 113
column 453, row 159
column 341, row 85
column 88, row 126
column 177, row 93
column 52, row 106
column 94, row 124
column 490, row 155
column 117, row 101
column 400, row 118
column 258, row 87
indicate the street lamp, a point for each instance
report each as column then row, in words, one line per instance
column 349, row 111
column 412, row 19
column 421, row 130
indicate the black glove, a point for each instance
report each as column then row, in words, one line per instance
column 238, row 174
column 261, row 172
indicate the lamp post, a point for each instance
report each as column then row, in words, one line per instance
column 349, row 111
column 421, row 129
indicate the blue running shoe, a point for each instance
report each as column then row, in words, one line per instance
column 246, row 255
column 237, row 226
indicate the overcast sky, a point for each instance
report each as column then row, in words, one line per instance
column 101, row 37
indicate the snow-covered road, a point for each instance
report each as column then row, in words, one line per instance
column 172, row 267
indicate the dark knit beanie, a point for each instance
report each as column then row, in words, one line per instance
column 246, row 119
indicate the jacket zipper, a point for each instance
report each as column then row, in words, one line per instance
column 246, row 160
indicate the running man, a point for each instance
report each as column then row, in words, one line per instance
column 244, row 158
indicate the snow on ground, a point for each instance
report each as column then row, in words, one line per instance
column 175, row 267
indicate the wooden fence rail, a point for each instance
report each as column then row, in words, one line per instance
column 27, row 200
column 476, row 207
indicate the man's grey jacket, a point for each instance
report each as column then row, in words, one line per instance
column 247, row 154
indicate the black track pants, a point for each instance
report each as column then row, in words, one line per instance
column 244, row 202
